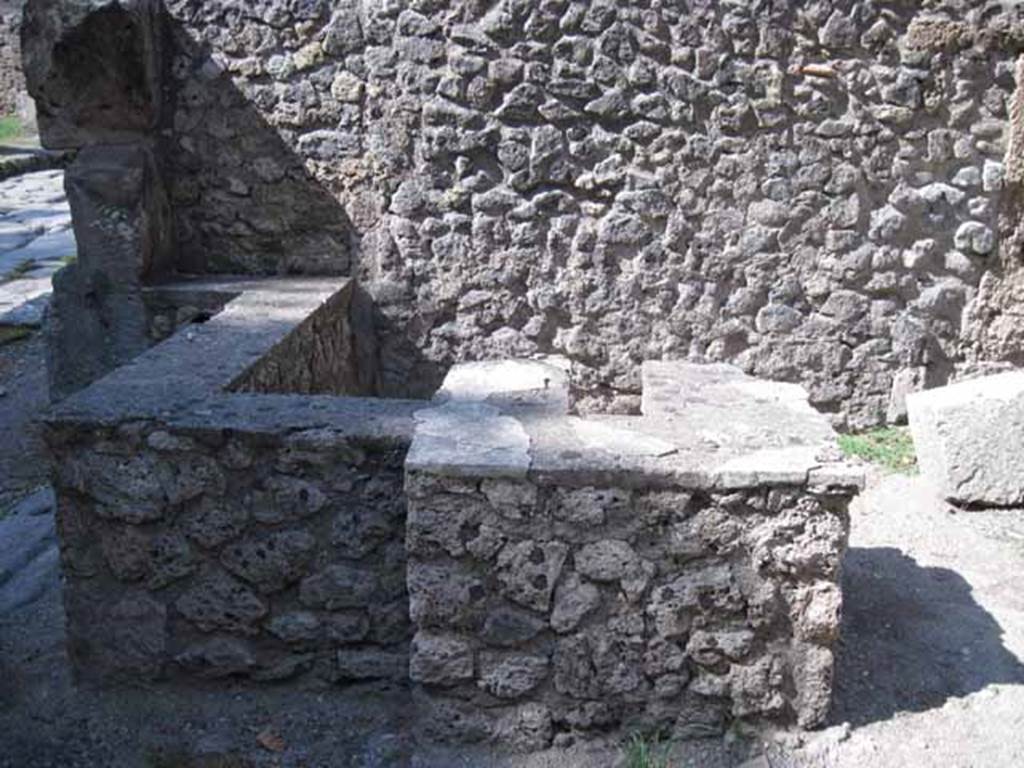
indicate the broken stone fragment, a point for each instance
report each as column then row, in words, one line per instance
column 816, row 611
column 440, row 659
column 270, row 562
column 510, row 627
column 351, row 627
column 974, row 237
column 511, row 676
column 286, row 498
column 339, row 586
column 528, row 728
column 590, row 506
column 217, row 657
column 444, row 596
column 171, row 560
column 608, row 560
column 296, row 627
column 573, row 668
column 967, row 439
column 124, row 488
column 574, row 600
column 440, row 523
column 709, row 648
column 529, row 570
column 373, row 665
column 219, row 602
column 213, row 521
column 358, row 529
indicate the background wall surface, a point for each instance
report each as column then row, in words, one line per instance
column 12, row 81
column 824, row 192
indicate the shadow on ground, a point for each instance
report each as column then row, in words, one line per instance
column 913, row 637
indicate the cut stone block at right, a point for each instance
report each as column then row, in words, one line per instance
column 969, row 438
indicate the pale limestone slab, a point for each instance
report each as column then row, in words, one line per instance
column 969, row 439
column 468, row 439
column 703, row 426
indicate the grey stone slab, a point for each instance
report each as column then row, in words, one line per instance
column 969, row 437
column 28, row 550
column 58, row 244
column 703, row 427
column 510, row 384
column 23, row 302
column 721, row 405
column 469, row 439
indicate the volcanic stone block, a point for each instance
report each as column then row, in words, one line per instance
column 93, row 67
column 968, row 439
column 98, row 317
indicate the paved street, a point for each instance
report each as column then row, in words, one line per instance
column 36, row 240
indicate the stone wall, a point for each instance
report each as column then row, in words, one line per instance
column 543, row 611
column 811, row 190
column 208, row 553
column 12, row 80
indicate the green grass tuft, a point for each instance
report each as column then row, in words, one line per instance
column 646, row 752
column 9, row 333
column 11, row 128
column 20, row 270
column 889, row 447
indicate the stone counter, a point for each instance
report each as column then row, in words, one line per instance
column 670, row 571
column 209, row 532
column 229, row 504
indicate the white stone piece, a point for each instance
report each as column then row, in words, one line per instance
column 469, row 438
column 969, row 439
column 529, row 383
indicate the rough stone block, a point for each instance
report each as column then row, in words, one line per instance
column 98, row 319
column 94, row 69
column 968, row 439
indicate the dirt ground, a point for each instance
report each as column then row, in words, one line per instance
column 930, row 668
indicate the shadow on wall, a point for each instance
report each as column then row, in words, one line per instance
column 285, row 221
column 912, row 638
column 139, row 97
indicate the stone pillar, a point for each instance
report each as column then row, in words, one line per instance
column 122, row 220
column 94, row 69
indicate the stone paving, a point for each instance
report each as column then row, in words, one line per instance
column 36, row 240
